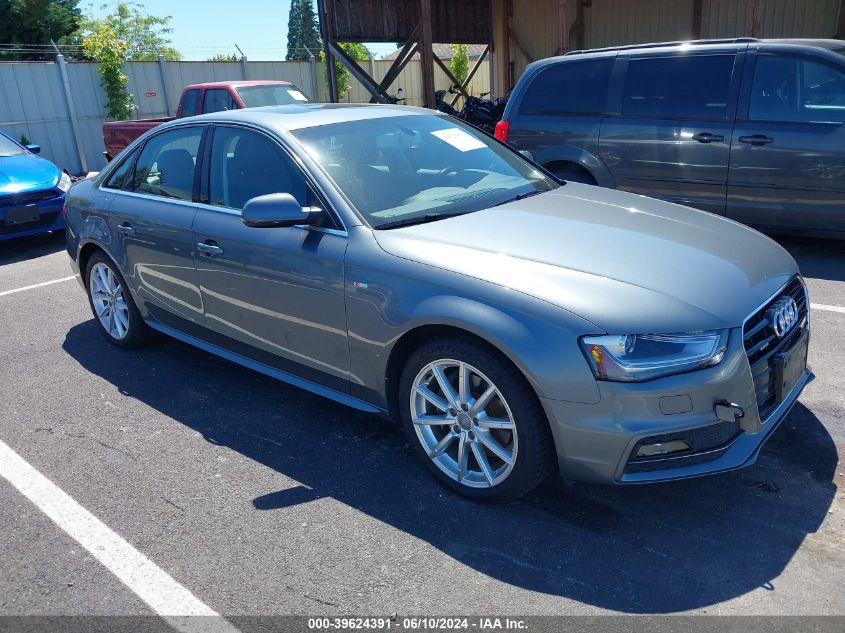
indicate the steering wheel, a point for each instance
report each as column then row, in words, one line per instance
column 449, row 170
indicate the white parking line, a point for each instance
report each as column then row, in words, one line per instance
column 147, row 580
column 33, row 286
column 826, row 308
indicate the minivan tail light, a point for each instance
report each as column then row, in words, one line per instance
column 501, row 131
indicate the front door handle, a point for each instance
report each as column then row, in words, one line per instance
column 209, row 247
column 126, row 229
column 708, row 137
column 756, row 139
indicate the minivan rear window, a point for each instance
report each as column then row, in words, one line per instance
column 681, row 87
column 569, row 87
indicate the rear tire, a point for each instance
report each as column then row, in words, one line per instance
column 486, row 447
column 114, row 310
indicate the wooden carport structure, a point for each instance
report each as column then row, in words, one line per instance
column 416, row 24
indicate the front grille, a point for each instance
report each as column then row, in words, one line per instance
column 706, row 444
column 44, row 220
column 30, row 197
column 762, row 345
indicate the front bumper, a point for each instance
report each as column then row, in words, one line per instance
column 49, row 211
column 595, row 442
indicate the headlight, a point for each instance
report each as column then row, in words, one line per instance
column 635, row 357
column 64, row 182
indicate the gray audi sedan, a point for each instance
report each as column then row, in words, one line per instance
column 402, row 263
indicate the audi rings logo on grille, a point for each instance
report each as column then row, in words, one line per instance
column 783, row 315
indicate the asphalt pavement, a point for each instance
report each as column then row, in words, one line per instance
column 259, row 498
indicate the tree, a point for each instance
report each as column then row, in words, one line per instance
column 145, row 35
column 224, row 57
column 303, row 31
column 459, row 65
column 27, row 26
column 102, row 44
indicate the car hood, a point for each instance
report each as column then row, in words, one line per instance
column 25, row 173
column 626, row 263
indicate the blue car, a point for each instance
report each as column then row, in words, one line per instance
column 32, row 191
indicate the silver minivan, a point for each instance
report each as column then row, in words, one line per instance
column 752, row 130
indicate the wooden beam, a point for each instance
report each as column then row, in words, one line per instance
column 325, row 17
column 472, row 72
column 506, row 47
column 519, row 45
column 577, row 32
column 426, row 54
column 756, row 11
column 840, row 29
column 697, row 7
column 405, row 55
column 563, row 25
column 359, row 73
column 450, row 76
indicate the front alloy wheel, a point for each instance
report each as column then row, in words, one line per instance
column 474, row 419
column 464, row 423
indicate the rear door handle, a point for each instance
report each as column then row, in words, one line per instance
column 126, row 229
column 210, row 248
column 708, row 137
column 757, row 139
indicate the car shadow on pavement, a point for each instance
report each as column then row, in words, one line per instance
column 817, row 258
column 650, row 549
column 23, row 248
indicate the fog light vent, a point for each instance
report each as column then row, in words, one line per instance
column 662, row 448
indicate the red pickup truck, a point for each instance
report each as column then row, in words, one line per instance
column 202, row 99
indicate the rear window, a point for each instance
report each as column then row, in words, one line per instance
column 570, row 87
column 189, row 102
column 692, row 87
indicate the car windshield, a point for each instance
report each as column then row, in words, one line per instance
column 406, row 169
column 9, row 148
column 280, row 94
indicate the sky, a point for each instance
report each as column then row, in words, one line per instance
column 202, row 28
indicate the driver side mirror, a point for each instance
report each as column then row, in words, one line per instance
column 35, row 149
column 278, row 210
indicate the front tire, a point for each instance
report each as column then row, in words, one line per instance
column 474, row 420
column 114, row 310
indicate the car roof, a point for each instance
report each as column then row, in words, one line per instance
column 237, row 84
column 735, row 43
column 296, row 117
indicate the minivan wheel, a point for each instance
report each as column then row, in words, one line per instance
column 111, row 303
column 574, row 173
column 474, row 420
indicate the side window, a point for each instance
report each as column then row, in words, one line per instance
column 166, row 164
column 570, row 87
column 189, row 102
column 245, row 164
column 122, row 176
column 217, row 100
column 794, row 89
column 683, row 87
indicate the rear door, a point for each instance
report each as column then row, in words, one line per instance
column 788, row 149
column 670, row 135
column 151, row 215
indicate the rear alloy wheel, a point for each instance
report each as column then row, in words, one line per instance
column 114, row 310
column 475, row 420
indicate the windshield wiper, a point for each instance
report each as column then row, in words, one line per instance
column 520, row 196
column 421, row 219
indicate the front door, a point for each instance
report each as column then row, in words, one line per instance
column 152, row 212
column 671, row 136
column 275, row 295
column 788, row 154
